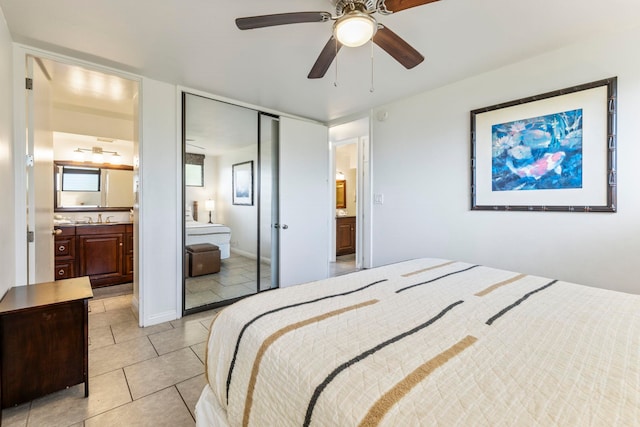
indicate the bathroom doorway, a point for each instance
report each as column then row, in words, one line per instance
column 350, row 166
column 85, row 122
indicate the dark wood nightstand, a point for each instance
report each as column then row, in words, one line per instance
column 44, row 337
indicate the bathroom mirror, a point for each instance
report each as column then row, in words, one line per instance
column 341, row 194
column 80, row 187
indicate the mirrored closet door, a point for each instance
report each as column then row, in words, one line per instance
column 230, row 184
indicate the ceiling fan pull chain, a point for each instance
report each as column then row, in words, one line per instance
column 335, row 81
column 371, row 89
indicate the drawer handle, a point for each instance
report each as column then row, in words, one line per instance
column 60, row 272
column 61, row 248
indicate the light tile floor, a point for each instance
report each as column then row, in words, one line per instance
column 142, row 376
column 344, row 264
column 236, row 278
column 137, row 376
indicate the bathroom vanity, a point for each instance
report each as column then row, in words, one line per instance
column 104, row 252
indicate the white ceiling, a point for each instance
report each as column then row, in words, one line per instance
column 195, row 43
column 213, row 128
column 74, row 87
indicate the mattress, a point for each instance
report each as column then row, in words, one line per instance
column 426, row 342
column 217, row 234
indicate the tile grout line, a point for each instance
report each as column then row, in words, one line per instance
column 184, row 401
column 128, row 386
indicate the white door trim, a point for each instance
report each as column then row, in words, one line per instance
column 363, row 193
column 20, row 53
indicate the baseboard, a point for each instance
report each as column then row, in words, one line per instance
column 167, row 316
column 244, row 253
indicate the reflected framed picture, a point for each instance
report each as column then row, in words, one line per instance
column 242, row 182
column 550, row 152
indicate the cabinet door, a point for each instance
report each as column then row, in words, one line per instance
column 100, row 257
column 43, row 351
column 345, row 236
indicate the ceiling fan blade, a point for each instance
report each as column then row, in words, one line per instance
column 262, row 21
column 391, row 43
column 325, row 59
column 398, row 5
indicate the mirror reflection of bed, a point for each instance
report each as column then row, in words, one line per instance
column 213, row 273
column 222, row 143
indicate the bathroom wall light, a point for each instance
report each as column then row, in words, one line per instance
column 116, row 159
column 97, row 155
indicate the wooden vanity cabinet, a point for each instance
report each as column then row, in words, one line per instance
column 101, row 253
column 104, row 252
column 345, row 235
column 65, row 253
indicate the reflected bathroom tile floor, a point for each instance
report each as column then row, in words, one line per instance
column 236, row 278
column 138, row 376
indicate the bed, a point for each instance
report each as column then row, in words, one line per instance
column 202, row 232
column 425, row 342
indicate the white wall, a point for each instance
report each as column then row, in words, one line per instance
column 160, row 206
column 89, row 123
column 241, row 218
column 421, row 165
column 7, row 192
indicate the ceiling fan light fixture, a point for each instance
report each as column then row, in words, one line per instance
column 355, row 29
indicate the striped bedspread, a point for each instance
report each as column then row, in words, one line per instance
column 428, row 342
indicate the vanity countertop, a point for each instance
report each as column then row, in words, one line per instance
column 85, row 224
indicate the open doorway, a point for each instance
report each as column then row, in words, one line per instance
column 349, row 148
column 81, row 142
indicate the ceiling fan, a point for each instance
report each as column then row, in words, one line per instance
column 354, row 26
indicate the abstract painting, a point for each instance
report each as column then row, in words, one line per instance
column 540, row 153
column 551, row 152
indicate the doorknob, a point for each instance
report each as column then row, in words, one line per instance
column 276, row 225
column 285, row 226
column 56, row 232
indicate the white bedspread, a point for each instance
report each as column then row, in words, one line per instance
column 427, row 342
column 202, row 232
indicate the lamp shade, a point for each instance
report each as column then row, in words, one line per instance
column 210, row 205
column 115, row 159
column 78, row 155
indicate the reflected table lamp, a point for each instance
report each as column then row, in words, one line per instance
column 210, row 205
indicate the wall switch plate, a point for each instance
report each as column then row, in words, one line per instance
column 378, row 199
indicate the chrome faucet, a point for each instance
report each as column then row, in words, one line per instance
column 90, row 219
column 99, row 218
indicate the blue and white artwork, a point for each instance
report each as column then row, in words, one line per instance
column 540, row 153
